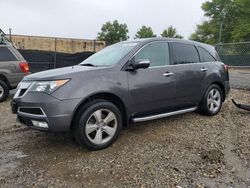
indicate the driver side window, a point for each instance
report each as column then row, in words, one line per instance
column 157, row 53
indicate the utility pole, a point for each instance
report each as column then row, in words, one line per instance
column 220, row 32
column 223, row 14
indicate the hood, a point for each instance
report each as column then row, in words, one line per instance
column 60, row 73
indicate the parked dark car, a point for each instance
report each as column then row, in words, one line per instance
column 132, row 81
column 13, row 67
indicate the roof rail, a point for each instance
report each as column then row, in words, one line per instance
column 4, row 39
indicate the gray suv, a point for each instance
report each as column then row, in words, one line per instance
column 128, row 82
column 13, row 68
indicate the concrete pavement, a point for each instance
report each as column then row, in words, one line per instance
column 240, row 79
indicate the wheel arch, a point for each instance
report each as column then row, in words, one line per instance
column 222, row 87
column 218, row 83
column 4, row 78
column 105, row 96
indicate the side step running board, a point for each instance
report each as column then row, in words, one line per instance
column 147, row 118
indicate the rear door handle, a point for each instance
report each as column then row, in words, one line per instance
column 204, row 69
column 167, row 74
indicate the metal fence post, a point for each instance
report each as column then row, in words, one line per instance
column 55, row 53
column 94, row 45
column 10, row 34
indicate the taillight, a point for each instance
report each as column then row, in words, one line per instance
column 24, row 66
column 226, row 68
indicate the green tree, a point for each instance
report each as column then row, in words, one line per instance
column 171, row 32
column 205, row 33
column 241, row 30
column 145, row 32
column 228, row 21
column 113, row 32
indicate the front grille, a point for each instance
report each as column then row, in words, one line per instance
column 34, row 111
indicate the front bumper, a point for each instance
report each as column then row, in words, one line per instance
column 56, row 113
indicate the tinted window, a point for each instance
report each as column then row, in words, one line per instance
column 156, row 53
column 185, row 53
column 206, row 56
column 6, row 55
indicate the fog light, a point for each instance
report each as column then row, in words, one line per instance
column 40, row 124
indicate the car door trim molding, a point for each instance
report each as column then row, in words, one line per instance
column 147, row 118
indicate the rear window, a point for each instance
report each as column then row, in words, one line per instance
column 6, row 54
column 205, row 55
column 185, row 53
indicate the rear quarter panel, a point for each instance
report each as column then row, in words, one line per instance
column 216, row 74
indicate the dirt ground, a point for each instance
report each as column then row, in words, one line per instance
column 187, row 150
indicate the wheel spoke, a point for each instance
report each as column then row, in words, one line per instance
column 91, row 128
column 98, row 115
column 110, row 117
column 209, row 101
column 212, row 92
column 212, row 106
column 210, row 95
column 216, row 103
column 98, row 137
column 109, row 130
column 216, row 95
column 1, row 91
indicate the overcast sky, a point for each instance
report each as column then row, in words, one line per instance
column 84, row 18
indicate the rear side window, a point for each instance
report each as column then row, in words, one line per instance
column 185, row 53
column 157, row 53
column 205, row 55
column 6, row 54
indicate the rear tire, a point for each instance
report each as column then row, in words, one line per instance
column 212, row 100
column 4, row 91
column 97, row 124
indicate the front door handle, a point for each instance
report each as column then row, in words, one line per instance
column 167, row 74
column 204, row 69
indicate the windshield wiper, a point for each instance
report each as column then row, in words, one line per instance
column 88, row 64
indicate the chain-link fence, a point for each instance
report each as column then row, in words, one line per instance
column 235, row 54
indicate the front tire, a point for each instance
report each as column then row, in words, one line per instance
column 212, row 100
column 98, row 124
column 4, row 91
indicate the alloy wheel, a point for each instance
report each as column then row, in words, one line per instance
column 101, row 126
column 214, row 100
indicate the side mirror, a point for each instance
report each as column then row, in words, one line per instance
column 141, row 64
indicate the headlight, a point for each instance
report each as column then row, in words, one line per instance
column 47, row 86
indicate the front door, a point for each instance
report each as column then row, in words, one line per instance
column 152, row 90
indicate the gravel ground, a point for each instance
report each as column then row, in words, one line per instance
column 187, row 150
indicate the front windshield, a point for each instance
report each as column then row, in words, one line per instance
column 110, row 55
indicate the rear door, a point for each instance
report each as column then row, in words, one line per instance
column 190, row 74
column 152, row 90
